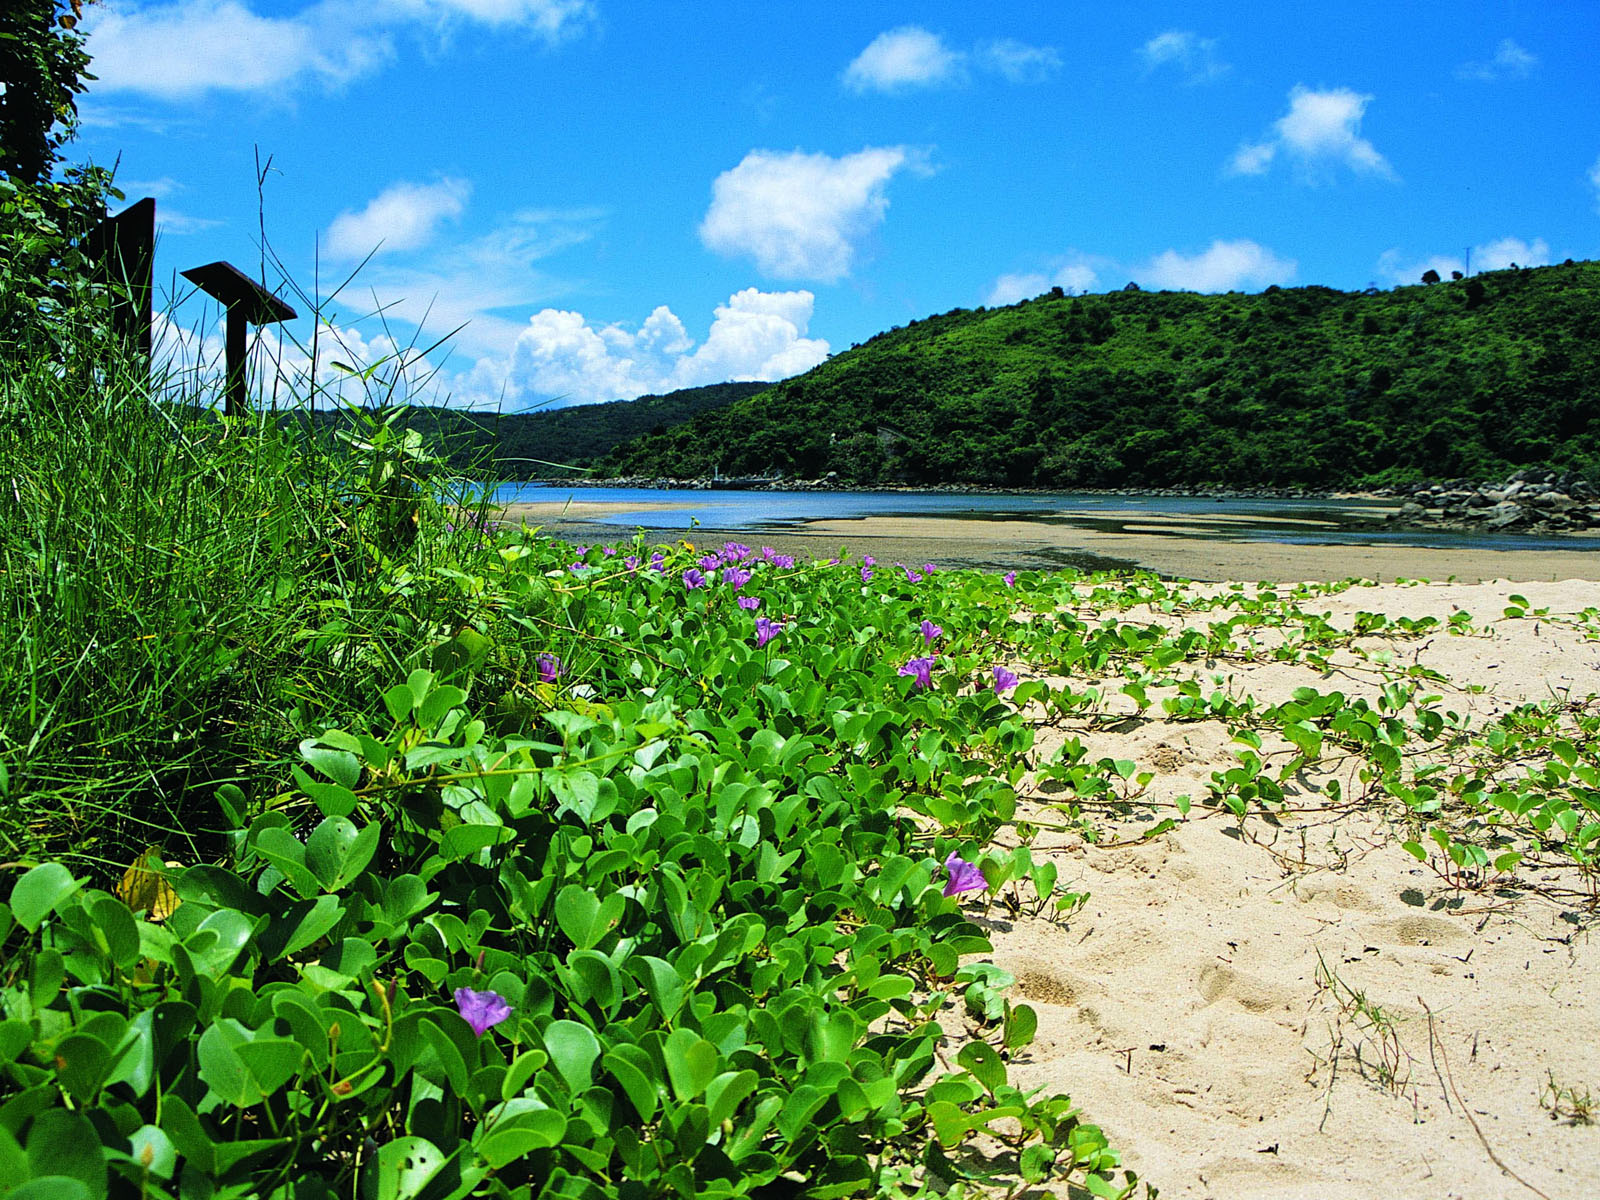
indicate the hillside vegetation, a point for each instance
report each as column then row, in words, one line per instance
column 1290, row 387
column 549, row 443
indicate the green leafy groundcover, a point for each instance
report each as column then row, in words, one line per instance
column 707, row 877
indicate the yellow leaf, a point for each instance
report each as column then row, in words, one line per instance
column 144, row 887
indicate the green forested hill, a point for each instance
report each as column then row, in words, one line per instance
column 1293, row 386
column 522, row 445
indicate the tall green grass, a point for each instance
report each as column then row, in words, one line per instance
column 183, row 596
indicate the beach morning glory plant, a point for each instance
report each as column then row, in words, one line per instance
column 963, row 876
column 483, row 1010
column 921, row 670
column 929, row 632
column 550, row 668
column 766, row 630
column 1004, row 680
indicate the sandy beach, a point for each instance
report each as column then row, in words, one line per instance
column 1177, row 547
column 1294, row 1006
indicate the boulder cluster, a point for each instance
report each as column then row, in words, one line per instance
column 1531, row 501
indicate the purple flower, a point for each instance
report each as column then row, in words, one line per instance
column 658, row 563
column 927, row 568
column 866, row 574
column 766, row 630
column 449, row 528
column 750, row 603
column 1004, row 680
column 921, row 669
column 868, row 560
column 929, row 632
column 783, row 561
column 733, row 552
column 631, row 562
column 911, row 576
column 964, row 877
column 550, row 668
column 580, row 551
column 609, row 551
column 482, row 1010
column 735, row 577
column 1011, row 578
column 693, row 579
column 709, row 562
column 767, row 552
column 580, row 565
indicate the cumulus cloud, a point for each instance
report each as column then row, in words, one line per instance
column 186, row 48
column 1510, row 61
column 1399, row 268
column 799, row 215
column 1321, row 130
column 560, row 357
column 901, row 59
column 1221, row 267
column 1193, row 56
column 404, row 216
column 1075, row 276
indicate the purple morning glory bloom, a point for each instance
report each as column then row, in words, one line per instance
column 767, row 552
column 750, row 603
column 577, row 566
column 868, row 560
column 735, row 577
column 550, row 668
column 609, row 551
column 1011, row 578
column 631, row 562
column 766, row 630
column 1004, row 680
column 658, row 562
column 911, row 576
column 929, row 632
column 866, row 574
column 449, row 528
column 693, row 579
column 710, row 562
column 927, row 568
column 482, row 1010
column 783, row 561
column 964, row 877
column 733, row 552
column 580, row 551
column 920, row 669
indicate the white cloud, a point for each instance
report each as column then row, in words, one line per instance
column 1221, row 267
column 1594, row 182
column 1321, row 130
column 799, row 215
column 1191, row 54
column 1018, row 62
column 1497, row 255
column 1253, row 158
column 902, row 59
column 910, row 57
column 185, row 48
column 1510, row 61
column 404, row 216
column 470, row 284
column 560, row 357
column 1503, row 252
column 1075, row 276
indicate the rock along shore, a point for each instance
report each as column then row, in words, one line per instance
column 1531, row 501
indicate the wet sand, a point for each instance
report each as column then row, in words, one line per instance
column 1179, row 547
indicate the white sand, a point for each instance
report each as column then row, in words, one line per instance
column 1187, row 1011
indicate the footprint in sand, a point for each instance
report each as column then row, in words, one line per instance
column 1217, row 983
column 1414, row 931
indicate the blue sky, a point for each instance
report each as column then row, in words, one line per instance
column 617, row 199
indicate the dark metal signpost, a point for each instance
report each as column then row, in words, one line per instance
column 123, row 248
column 248, row 303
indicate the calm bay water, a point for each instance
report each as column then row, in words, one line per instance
column 1268, row 520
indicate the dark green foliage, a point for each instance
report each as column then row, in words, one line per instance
column 547, row 444
column 1307, row 387
column 43, row 66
